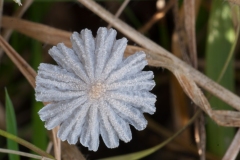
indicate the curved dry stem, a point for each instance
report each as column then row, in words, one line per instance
column 24, row 154
column 24, row 143
column 221, row 117
column 57, row 143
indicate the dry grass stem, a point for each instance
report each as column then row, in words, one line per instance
column 189, row 19
column 23, row 154
column 234, row 148
column 221, row 117
column 120, row 10
column 37, row 31
column 49, row 147
column 53, row 36
column 57, row 143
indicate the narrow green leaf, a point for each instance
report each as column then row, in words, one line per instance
column 11, row 126
column 219, row 42
column 136, row 155
column 39, row 136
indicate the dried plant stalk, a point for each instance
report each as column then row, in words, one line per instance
column 53, row 36
column 189, row 18
column 37, row 31
column 221, row 117
column 23, row 154
column 56, row 142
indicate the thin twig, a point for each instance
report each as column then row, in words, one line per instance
column 156, row 17
column 189, row 18
column 120, row 10
column 56, row 143
column 23, row 154
column 49, row 147
column 164, row 56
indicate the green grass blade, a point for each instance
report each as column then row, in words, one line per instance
column 11, row 126
column 220, row 40
column 39, row 136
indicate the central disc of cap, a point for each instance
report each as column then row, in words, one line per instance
column 97, row 90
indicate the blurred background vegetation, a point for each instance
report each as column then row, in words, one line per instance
column 216, row 26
